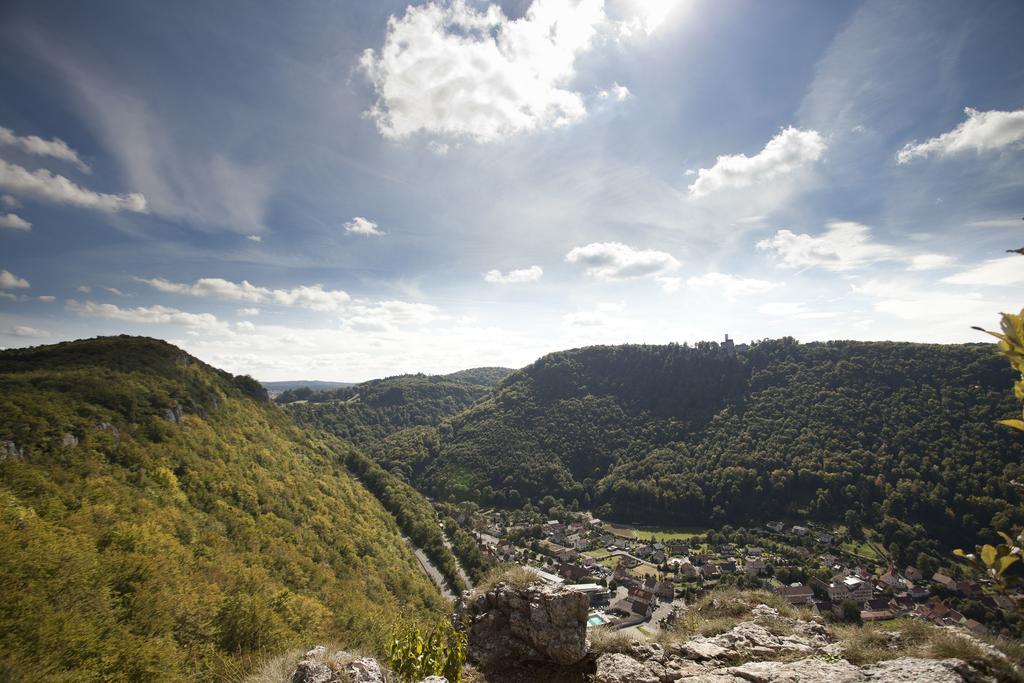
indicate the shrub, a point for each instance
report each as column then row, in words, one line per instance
column 414, row 654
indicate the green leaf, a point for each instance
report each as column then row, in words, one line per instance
column 1005, row 561
column 988, row 554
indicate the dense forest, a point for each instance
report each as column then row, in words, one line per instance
column 160, row 520
column 368, row 412
column 897, row 436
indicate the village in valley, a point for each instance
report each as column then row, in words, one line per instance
column 640, row 580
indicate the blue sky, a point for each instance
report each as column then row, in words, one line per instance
column 344, row 190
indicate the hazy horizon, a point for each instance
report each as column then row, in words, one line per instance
column 346, row 191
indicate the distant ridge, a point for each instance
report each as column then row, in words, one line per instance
column 276, row 388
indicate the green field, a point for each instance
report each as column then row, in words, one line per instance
column 662, row 534
column 862, row 549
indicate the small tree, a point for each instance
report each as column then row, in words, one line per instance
column 415, row 655
column 996, row 560
column 849, row 611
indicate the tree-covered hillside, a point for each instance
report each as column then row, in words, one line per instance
column 160, row 520
column 899, row 436
column 486, row 377
column 368, row 412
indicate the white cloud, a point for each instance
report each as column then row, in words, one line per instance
column 254, row 238
column 932, row 305
column 793, row 310
column 46, row 298
column 211, row 287
column 983, row 131
column 311, row 297
column 997, row 272
column 362, row 226
column 24, row 331
column 448, row 68
column 670, row 284
column 10, row 202
column 617, row 261
column 929, row 261
column 9, row 280
column 729, row 286
column 84, row 289
column 115, row 291
column 388, row 316
column 150, row 315
column 603, row 315
column 245, row 326
column 44, row 185
column 55, row 148
column 845, row 245
column 439, row 148
column 248, row 311
column 785, row 153
column 616, row 92
column 997, row 223
column 521, row 275
column 645, row 16
column 14, row 222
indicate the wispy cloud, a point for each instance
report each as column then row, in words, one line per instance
column 518, row 276
column 150, row 315
column 731, row 287
column 793, row 310
column 997, row 272
column 983, row 131
column 845, row 245
column 43, row 185
column 32, row 144
column 361, row 314
column 24, row 331
column 602, row 315
column 13, row 221
column 312, row 297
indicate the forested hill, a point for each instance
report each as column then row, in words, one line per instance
column 370, row 411
column 160, row 520
column 893, row 434
column 277, row 388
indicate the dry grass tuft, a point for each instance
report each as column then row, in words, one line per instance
column 720, row 610
column 515, row 576
column 279, row 669
column 606, row 641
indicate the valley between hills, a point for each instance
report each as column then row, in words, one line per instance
column 166, row 520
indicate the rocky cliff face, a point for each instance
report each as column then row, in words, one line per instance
column 538, row 634
column 507, row 625
column 774, row 649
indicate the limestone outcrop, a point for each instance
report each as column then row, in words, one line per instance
column 773, row 649
column 321, row 666
column 537, row 623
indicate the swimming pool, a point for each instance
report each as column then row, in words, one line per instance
column 596, row 619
